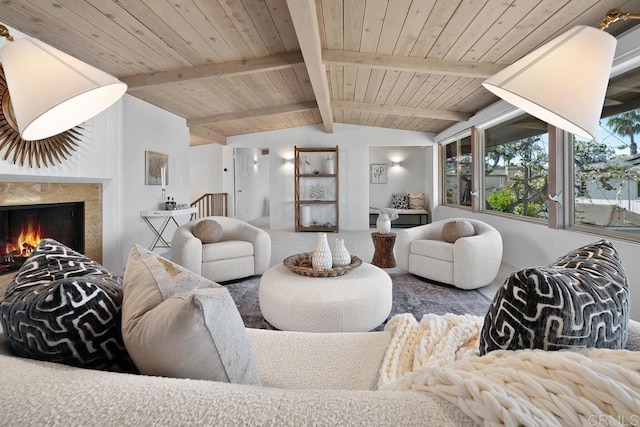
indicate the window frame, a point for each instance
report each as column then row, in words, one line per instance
column 561, row 189
column 443, row 163
column 570, row 198
column 480, row 171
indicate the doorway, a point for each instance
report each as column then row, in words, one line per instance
column 251, row 184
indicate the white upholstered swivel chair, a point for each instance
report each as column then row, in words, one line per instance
column 243, row 251
column 468, row 263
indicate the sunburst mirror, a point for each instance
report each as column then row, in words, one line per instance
column 42, row 152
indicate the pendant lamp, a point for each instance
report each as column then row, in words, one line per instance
column 52, row 91
column 564, row 82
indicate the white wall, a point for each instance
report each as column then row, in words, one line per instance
column 205, row 170
column 353, row 142
column 410, row 175
column 147, row 127
column 432, row 181
column 228, row 178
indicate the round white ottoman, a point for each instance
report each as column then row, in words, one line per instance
column 355, row 302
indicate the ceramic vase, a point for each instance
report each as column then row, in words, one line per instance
column 305, row 165
column 340, row 255
column 329, row 166
column 321, row 258
column 305, row 216
column 383, row 223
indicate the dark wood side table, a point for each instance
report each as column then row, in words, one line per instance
column 383, row 254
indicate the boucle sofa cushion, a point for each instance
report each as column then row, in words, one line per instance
column 178, row 324
column 228, row 249
column 208, row 231
column 433, row 249
column 579, row 301
column 454, row 230
column 64, row 307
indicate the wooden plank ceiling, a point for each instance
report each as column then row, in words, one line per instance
column 233, row 67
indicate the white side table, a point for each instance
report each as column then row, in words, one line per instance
column 168, row 215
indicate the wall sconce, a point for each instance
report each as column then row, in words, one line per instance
column 547, row 84
column 393, row 164
column 287, row 161
column 255, row 162
column 51, row 91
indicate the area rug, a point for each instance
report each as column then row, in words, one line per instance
column 411, row 294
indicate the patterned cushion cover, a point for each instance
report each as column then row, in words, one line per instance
column 417, row 200
column 579, row 301
column 400, row 201
column 63, row 307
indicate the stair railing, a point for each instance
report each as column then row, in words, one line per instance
column 210, row 204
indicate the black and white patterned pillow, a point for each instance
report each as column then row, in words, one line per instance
column 579, row 301
column 400, row 201
column 64, row 307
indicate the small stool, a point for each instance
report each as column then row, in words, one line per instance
column 383, row 254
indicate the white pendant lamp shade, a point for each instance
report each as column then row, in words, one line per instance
column 51, row 91
column 563, row 82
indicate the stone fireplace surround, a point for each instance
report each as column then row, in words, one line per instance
column 26, row 193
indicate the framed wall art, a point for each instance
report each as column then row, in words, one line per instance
column 378, row 173
column 156, row 168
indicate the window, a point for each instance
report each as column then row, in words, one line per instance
column 606, row 170
column 458, row 171
column 516, row 159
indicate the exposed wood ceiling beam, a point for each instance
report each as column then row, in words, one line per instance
column 427, row 113
column 411, row 64
column 196, row 140
column 208, row 134
column 305, row 23
column 206, row 71
column 256, row 112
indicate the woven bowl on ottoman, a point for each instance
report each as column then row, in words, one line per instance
column 355, row 302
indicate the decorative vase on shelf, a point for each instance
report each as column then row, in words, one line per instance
column 329, row 166
column 305, row 165
column 321, row 258
column 305, row 216
column 340, row 254
column 383, row 223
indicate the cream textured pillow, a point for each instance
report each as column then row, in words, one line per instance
column 453, row 230
column 178, row 324
column 417, row 200
column 208, row 230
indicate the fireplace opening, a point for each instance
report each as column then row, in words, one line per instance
column 23, row 227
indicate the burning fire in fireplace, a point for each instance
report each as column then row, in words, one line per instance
column 17, row 250
column 23, row 227
column 27, row 241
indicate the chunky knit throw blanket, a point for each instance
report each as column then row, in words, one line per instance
column 439, row 354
